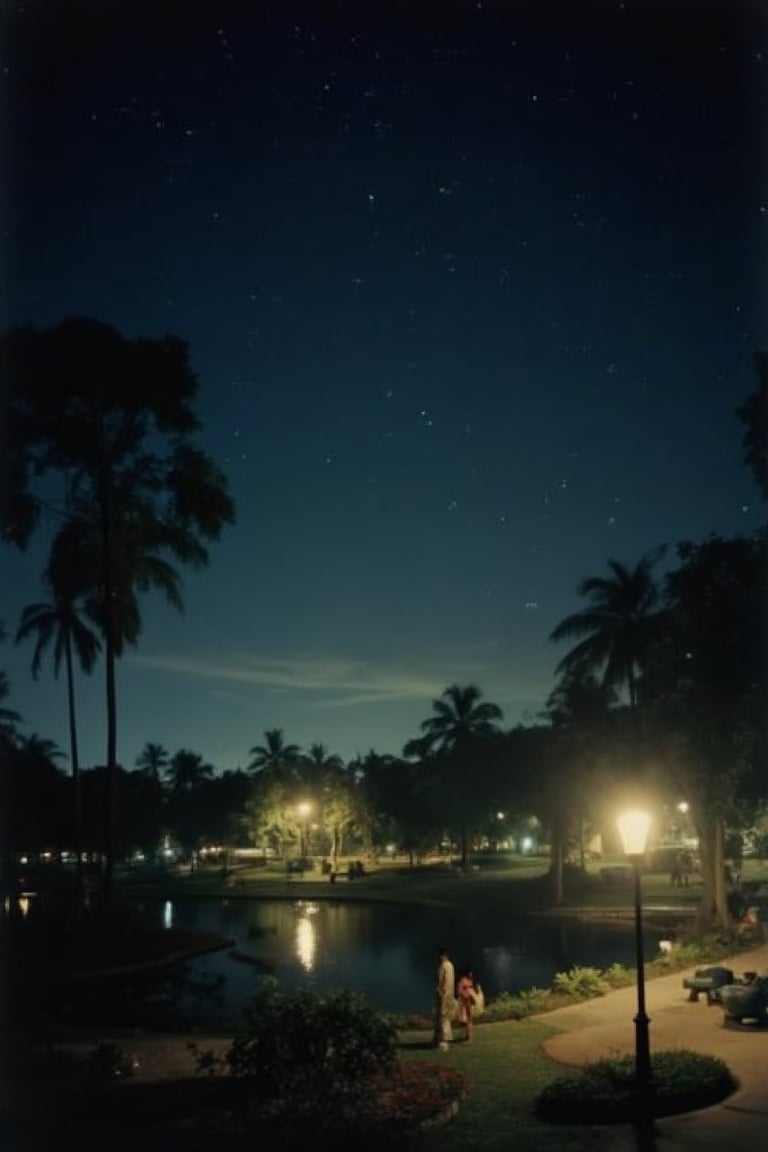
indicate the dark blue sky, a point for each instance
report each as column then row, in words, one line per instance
column 473, row 291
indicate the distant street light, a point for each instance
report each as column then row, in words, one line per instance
column 633, row 829
column 304, row 809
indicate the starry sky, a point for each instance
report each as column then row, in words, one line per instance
column 473, row 290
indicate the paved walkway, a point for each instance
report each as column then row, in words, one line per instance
column 605, row 1027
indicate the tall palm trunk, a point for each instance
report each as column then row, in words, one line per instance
column 77, row 799
column 109, row 653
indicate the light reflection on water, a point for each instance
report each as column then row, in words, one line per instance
column 306, row 937
column 386, row 951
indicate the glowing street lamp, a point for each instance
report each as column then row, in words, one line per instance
column 304, row 809
column 633, row 829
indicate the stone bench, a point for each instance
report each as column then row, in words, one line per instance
column 709, row 981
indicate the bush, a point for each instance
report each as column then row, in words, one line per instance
column 527, row 1002
column 617, row 976
column 581, row 983
column 607, row 1091
column 311, row 1070
column 313, row 1038
column 310, row 1062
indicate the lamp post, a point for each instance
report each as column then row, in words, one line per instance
column 304, row 809
column 633, row 829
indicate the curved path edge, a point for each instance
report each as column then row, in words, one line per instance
column 605, row 1027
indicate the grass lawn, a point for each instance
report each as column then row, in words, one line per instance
column 506, row 1069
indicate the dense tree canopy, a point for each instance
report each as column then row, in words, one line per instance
column 99, row 428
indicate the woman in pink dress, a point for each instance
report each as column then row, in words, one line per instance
column 466, row 994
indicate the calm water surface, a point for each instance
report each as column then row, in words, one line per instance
column 387, row 951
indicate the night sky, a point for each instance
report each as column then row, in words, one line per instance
column 473, row 292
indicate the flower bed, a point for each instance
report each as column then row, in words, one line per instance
column 420, row 1095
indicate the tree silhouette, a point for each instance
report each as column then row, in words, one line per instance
column 618, row 626
column 9, row 718
column 115, row 419
column 187, row 770
column 152, row 761
column 274, row 757
column 57, row 625
column 707, row 687
column 456, row 734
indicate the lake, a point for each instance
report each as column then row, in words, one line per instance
column 387, row 951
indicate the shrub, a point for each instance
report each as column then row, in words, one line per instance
column 608, row 1091
column 309, row 1062
column 326, row 1067
column 581, row 983
column 527, row 1002
column 311, row 1038
column 617, row 976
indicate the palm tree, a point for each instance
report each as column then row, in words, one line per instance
column 274, row 757
column 321, row 759
column 187, row 771
column 152, row 761
column 456, row 733
column 114, row 418
column 460, row 719
column 57, row 624
column 617, row 627
column 40, row 746
column 8, row 717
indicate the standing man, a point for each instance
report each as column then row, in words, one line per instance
column 445, row 1001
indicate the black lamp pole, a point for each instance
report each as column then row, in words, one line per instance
column 642, row 1042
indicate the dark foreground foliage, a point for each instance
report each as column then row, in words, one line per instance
column 607, row 1091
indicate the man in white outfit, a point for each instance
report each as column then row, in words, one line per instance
column 445, row 1000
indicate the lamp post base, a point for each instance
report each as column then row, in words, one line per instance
column 642, row 1049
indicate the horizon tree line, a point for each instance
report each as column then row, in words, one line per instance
column 663, row 689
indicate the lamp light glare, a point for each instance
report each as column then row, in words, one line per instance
column 633, row 829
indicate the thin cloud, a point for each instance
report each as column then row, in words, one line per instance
column 349, row 681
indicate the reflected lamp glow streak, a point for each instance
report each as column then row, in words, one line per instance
column 168, row 914
column 306, row 943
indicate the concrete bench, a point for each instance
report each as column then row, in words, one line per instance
column 709, row 981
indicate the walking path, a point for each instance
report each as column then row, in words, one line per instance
column 605, row 1027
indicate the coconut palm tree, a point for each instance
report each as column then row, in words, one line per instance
column 461, row 725
column 461, row 718
column 617, row 627
column 187, row 770
column 114, row 419
column 274, row 757
column 152, row 761
column 9, row 718
column 58, row 625
column 321, row 759
column 40, row 746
